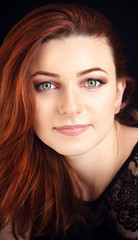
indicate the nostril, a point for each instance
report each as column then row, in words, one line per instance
column 70, row 103
column 70, row 109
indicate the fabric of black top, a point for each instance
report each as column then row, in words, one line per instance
column 114, row 215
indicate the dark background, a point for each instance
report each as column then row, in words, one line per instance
column 122, row 14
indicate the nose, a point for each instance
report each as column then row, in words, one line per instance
column 70, row 103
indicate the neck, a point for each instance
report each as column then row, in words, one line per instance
column 96, row 168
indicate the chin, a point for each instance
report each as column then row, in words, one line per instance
column 74, row 150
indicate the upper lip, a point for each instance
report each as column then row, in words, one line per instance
column 72, row 126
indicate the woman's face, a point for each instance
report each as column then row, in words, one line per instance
column 76, row 93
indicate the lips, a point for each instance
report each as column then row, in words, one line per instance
column 72, row 130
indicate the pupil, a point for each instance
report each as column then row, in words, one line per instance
column 46, row 85
column 92, row 83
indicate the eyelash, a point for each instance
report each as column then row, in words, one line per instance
column 97, row 82
column 39, row 86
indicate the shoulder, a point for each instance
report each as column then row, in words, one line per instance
column 130, row 132
column 124, row 195
column 128, row 136
column 6, row 233
column 127, row 140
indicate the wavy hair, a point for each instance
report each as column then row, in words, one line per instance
column 37, row 185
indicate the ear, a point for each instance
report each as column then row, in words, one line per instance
column 121, row 85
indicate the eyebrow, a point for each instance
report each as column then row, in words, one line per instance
column 55, row 75
column 45, row 74
column 91, row 70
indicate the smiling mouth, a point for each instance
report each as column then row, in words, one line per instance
column 73, row 130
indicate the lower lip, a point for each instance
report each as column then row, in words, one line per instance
column 72, row 131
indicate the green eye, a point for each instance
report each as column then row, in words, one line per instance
column 91, row 83
column 46, row 85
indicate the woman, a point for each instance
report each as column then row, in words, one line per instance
column 68, row 148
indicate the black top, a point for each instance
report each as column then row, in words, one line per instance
column 114, row 215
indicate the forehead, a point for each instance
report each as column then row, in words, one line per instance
column 73, row 53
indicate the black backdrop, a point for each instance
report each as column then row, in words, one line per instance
column 122, row 14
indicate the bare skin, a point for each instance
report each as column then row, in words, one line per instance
column 95, row 175
column 66, row 99
column 97, row 153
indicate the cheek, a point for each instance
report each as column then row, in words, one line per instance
column 103, row 115
column 107, row 103
column 42, row 114
column 103, row 105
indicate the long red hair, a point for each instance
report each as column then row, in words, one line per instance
column 37, row 185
